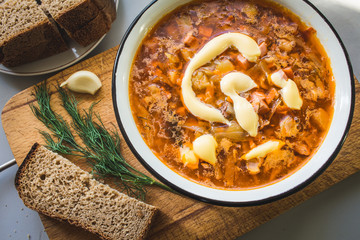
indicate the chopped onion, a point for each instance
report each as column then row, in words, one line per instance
column 233, row 132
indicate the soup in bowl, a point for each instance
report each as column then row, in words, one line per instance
column 233, row 102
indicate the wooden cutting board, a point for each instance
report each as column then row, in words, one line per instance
column 180, row 217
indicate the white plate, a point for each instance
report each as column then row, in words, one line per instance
column 54, row 63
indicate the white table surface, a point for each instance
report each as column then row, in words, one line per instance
column 331, row 215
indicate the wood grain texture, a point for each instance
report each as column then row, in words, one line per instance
column 180, row 217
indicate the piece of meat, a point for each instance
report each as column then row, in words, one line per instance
column 263, row 49
column 205, row 31
column 271, row 95
column 302, row 149
column 263, row 107
column 257, row 100
column 227, row 109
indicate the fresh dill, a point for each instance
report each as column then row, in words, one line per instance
column 101, row 147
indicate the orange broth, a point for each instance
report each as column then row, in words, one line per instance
column 165, row 123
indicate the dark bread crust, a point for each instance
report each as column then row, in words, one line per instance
column 98, row 26
column 92, row 31
column 147, row 229
column 22, row 167
column 78, row 16
column 87, row 21
column 108, row 8
column 21, row 174
column 1, row 54
column 100, row 3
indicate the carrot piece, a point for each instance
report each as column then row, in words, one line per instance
column 263, row 107
column 186, row 54
column 263, row 49
column 179, row 81
column 229, row 100
column 289, row 72
column 181, row 111
column 258, row 95
column 271, row 95
column 256, row 99
column 243, row 62
column 191, row 121
column 205, row 31
column 282, row 110
column 189, row 39
column 252, row 144
column 201, row 96
column 209, row 93
column 158, row 72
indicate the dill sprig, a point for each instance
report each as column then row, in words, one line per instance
column 101, row 147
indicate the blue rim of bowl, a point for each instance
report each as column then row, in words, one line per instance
column 225, row 203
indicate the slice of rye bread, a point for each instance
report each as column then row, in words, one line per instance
column 71, row 15
column 108, row 7
column 97, row 27
column 54, row 186
column 26, row 34
column 96, row 20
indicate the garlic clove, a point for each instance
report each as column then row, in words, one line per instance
column 83, row 82
column 205, row 148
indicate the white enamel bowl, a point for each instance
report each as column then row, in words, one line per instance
column 343, row 110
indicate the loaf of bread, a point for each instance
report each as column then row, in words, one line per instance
column 26, row 33
column 52, row 185
column 32, row 29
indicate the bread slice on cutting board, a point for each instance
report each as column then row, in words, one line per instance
column 54, row 186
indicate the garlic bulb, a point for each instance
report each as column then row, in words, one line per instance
column 83, row 82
